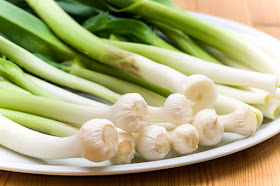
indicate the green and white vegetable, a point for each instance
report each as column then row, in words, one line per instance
column 246, row 96
column 96, row 141
column 185, row 43
column 13, row 73
column 126, row 148
column 242, row 121
column 177, row 109
column 184, row 139
column 115, row 84
column 209, row 127
column 186, row 109
column 120, row 74
column 271, row 47
column 26, row 60
column 218, row 37
column 5, row 84
column 72, row 33
column 126, row 143
column 153, row 143
column 129, row 113
column 188, row 65
column 225, row 105
column 271, row 109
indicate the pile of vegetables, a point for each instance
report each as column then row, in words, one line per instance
column 157, row 95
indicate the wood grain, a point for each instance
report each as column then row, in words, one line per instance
column 264, row 12
column 259, row 165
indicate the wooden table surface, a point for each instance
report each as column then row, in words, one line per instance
column 259, row 165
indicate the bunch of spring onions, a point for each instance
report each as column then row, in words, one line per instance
column 155, row 95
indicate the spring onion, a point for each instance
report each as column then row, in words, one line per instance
column 72, row 33
column 225, row 105
column 129, row 113
column 26, row 60
column 5, row 84
column 61, row 47
column 271, row 109
column 185, row 43
column 177, row 109
column 126, row 143
column 190, row 65
column 184, row 139
column 153, row 143
column 40, row 124
column 246, row 96
column 96, row 141
column 223, row 57
column 126, row 148
column 218, row 37
column 242, row 121
column 120, row 74
column 209, row 127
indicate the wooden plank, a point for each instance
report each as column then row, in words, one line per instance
column 186, row 5
column 234, row 10
column 264, row 12
column 272, row 30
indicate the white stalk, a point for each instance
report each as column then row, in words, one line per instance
column 226, row 105
column 262, row 61
column 184, row 139
column 224, row 58
column 271, row 109
column 126, row 148
column 277, row 94
column 269, row 46
column 96, row 141
column 153, row 143
column 249, row 97
column 209, row 127
column 242, row 121
column 177, row 109
column 62, row 93
column 230, row 61
column 188, row 65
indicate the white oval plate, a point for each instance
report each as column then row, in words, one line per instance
column 230, row 144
